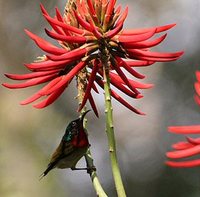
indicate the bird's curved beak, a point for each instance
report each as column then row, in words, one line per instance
column 83, row 115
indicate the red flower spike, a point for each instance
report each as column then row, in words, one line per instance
column 186, row 149
column 88, row 32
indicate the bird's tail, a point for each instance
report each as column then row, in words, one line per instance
column 49, row 168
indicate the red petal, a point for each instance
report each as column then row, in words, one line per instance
column 30, row 82
column 50, row 85
column 182, row 145
column 184, row 153
column 92, row 11
column 109, row 11
column 47, row 65
column 197, row 99
column 114, row 31
column 144, row 30
column 82, row 22
column 139, row 52
column 50, row 98
column 134, row 63
column 122, row 63
column 120, row 99
column 74, row 54
column 144, row 44
column 134, row 83
column 134, row 38
column 89, row 85
column 69, row 39
column 44, row 45
column 30, row 75
column 194, row 129
column 122, row 17
column 66, row 78
column 183, row 164
column 92, row 103
column 198, row 75
column 125, row 79
column 54, row 22
column 193, row 141
column 197, row 87
column 122, row 87
column 31, row 99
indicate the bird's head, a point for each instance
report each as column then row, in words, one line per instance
column 74, row 128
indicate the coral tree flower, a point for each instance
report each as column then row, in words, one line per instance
column 89, row 31
column 190, row 147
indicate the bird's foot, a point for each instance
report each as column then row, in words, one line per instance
column 89, row 169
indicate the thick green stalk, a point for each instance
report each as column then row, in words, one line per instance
column 81, row 85
column 110, row 133
column 97, row 185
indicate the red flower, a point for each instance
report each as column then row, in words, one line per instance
column 185, row 149
column 87, row 33
column 191, row 147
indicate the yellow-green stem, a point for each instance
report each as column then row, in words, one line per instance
column 110, row 133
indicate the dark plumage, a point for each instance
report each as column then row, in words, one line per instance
column 72, row 147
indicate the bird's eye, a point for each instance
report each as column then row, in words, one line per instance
column 73, row 124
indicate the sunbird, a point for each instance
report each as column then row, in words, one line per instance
column 72, row 147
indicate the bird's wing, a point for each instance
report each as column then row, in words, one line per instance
column 63, row 150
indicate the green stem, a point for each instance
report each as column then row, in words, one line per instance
column 97, row 185
column 110, row 133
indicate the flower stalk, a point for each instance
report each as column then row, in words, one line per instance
column 110, row 130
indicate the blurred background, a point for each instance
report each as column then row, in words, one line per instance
column 29, row 136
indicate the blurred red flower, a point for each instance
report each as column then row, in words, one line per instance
column 191, row 146
column 89, row 32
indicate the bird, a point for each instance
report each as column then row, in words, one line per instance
column 72, row 148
